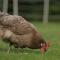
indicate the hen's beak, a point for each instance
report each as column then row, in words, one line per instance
column 42, row 50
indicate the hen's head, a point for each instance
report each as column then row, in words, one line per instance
column 44, row 46
column 41, row 43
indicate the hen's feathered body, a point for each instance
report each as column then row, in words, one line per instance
column 19, row 32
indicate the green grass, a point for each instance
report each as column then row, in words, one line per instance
column 51, row 33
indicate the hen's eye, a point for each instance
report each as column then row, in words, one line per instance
column 41, row 44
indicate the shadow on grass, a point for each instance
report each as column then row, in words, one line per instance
column 20, row 50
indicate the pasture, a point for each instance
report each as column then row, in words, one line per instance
column 51, row 33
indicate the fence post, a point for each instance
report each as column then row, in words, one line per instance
column 15, row 7
column 5, row 5
column 46, row 11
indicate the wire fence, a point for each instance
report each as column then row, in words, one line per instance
column 33, row 9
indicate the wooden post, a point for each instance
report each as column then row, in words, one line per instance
column 46, row 11
column 15, row 7
column 5, row 5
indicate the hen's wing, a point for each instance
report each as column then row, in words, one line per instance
column 16, row 24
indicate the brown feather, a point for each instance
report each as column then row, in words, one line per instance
column 19, row 32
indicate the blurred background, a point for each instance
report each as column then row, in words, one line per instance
column 45, row 15
column 33, row 10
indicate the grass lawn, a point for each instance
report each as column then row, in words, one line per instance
column 51, row 33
